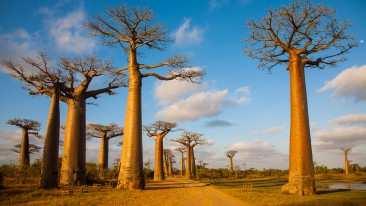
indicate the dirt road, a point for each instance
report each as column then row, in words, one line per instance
column 175, row 192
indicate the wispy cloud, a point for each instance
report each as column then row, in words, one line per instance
column 215, row 4
column 69, row 34
column 16, row 44
column 271, row 130
column 351, row 82
column 187, row 35
column 350, row 119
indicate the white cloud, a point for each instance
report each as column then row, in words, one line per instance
column 362, row 41
column 185, row 35
column 340, row 137
column 272, row 130
column 16, row 44
column 69, row 34
column 243, row 90
column 350, row 82
column 170, row 91
column 202, row 104
column 350, row 119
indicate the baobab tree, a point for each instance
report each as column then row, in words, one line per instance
column 159, row 130
column 190, row 140
column 74, row 148
column 105, row 133
column 46, row 79
column 346, row 150
column 182, row 150
column 299, row 35
column 230, row 154
column 167, row 156
column 29, row 127
column 134, row 29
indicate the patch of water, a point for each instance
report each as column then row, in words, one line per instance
column 348, row 186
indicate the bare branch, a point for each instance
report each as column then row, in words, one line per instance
column 306, row 29
column 103, row 131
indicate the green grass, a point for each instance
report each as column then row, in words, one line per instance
column 266, row 191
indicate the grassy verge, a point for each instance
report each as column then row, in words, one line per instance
column 266, row 191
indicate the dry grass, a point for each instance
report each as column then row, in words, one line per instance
column 264, row 192
column 267, row 192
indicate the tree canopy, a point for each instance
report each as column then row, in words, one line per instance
column 301, row 28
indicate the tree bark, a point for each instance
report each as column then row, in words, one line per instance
column 301, row 169
column 158, row 173
column 182, row 164
column 49, row 176
column 131, row 175
column 231, row 164
column 193, row 164
column 73, row 169
column 188, row 162
column 346, row 167
column 103, row 153
column 24, row 160
column 170, row 167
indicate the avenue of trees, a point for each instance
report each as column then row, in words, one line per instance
column 298, row 36
column 133, row 29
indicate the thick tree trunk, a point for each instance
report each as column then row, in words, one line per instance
column 231, row 164
column 301, row 169
column 188, row 163
column 166, row 166
column 131, row 175
column 49, row 176
column 24, row 160
column 182, row 164
column 170, row 167
column 158, row 173
column 103, row 154
column 346, row 167
column 74, row 150
column 193, row 164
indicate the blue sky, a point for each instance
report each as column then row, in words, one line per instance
column 237, row 106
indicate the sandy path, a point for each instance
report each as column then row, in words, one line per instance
column 174, row 192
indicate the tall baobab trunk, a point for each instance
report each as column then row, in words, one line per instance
column 103, row 154
column 131, row 175
column 73, row 158
column 182, row 164
column 170, row 166
column 166, row 171
column 188, row 163
column 49, row 177
column 346, row 166
column 24, row 160
column 158, row 173
column 193, row 163
column 301, row 171
column 231, row 164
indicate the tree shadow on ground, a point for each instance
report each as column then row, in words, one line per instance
column 323, row 192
